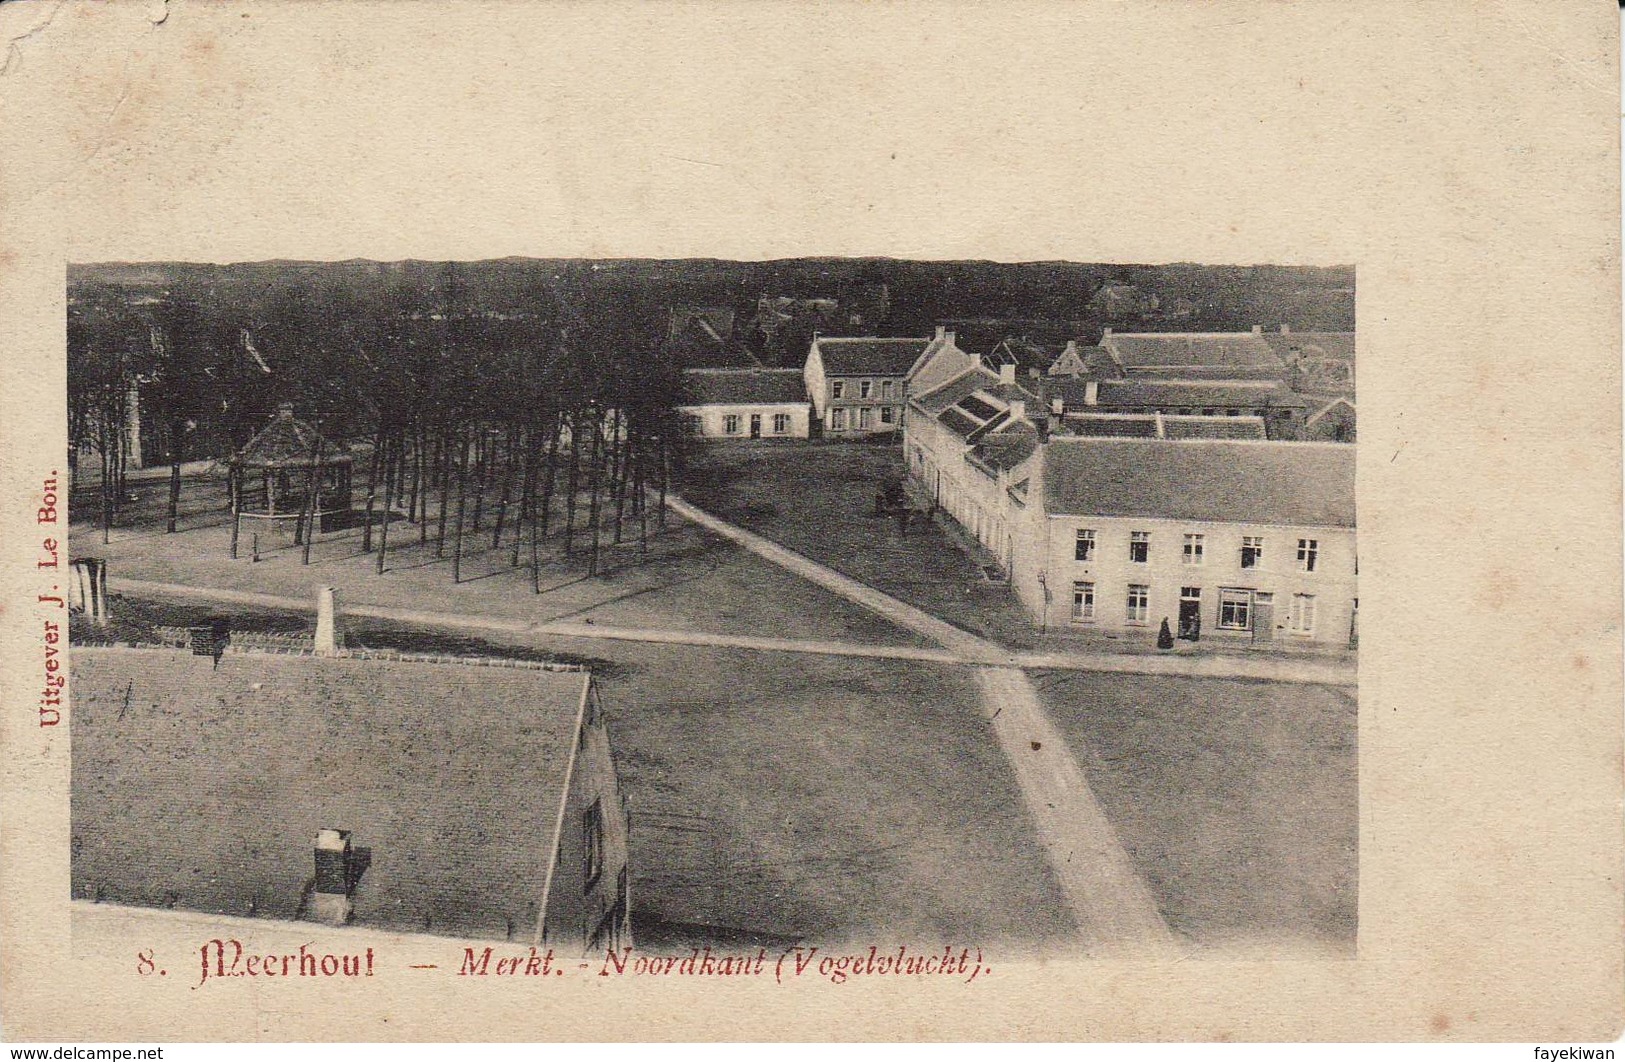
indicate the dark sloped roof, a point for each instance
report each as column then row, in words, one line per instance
column 1324, row 344
column 951, row 392
column 958, row 423
column 288, row 442
column 705, row 387
column 1214, row 428
column 868, row 356
column 1005, row 449
column 1137, row 394
column 430, row 766
column 1104, row 425
column 1024, row 354
column 1294, row 484
column 1191, row 349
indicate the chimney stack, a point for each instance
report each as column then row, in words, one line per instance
column 1258, row 330
column 1007, row 372
column 329, row 638
column 335, row 878
column 1091, row 392
column 1286, row 329
column 942, row 333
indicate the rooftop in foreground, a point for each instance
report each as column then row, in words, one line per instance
column 202, row 787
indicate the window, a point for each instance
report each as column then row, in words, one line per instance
column 1308, row 553
column 1083, row 601
column 696, row 425
column 1252, row 551
column 1194, row 546
column 837, row 389
column 864, row 416
column 865, row 388
column 730, row 424
column 1301, row 617
column 837, row 420
column 1085, row 548
column 888, row 415
column 592, row 844
column 1139, row 547
column 885, row 388
column 1139, row 603
column 781, row 423
column 1236, row 610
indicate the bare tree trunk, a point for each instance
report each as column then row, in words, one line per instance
column 596, row 471
column 507, row 489
column 234, row 487
column 462, row 504
column 417, row 476
column 552, row 470
column 639, row 468
column 527, row 485
column 622, row 441
column 443, row 465
column 384, row 440
column 664, row 469
column 176, row 438
column 372, row 485
column 314, row 509
column 535, row 535
column 482, row 468
column 107, row 486
column 573, row 483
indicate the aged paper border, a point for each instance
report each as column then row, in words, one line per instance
column 1464, row 157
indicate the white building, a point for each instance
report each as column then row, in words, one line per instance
column 744, row 403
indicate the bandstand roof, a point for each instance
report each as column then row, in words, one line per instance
column 288, row 442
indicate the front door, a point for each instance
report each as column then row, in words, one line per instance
column 755, row 425
column 1190, row 613
column 1263, row 617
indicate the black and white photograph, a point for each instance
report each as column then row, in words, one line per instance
column 648, row 604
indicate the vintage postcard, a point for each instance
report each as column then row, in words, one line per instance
column 810, row 522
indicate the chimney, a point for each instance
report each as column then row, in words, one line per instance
column 1057, row 406
column 942, row 333
column 1258, row 330
column 1091, row 392
column 1018, row 408
column 1162, row 429
column 329, row 638
column 949, row 336
column 335, row 878
column 1286, row 329
column 1106, row 332
column 1007, row 372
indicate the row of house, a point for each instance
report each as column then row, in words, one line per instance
column 1298, row 384
column 1116, row 521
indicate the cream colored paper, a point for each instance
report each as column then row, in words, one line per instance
column 1463, row 156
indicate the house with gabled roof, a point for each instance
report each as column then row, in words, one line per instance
column 1190, row 356
column 858, row 384
column 1240, row 541
column 1111, row 519
column 463, row 797
column 703, row 337
column 744, row 403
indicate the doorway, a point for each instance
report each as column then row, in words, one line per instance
column 1263, row 617
column 1190, row 613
